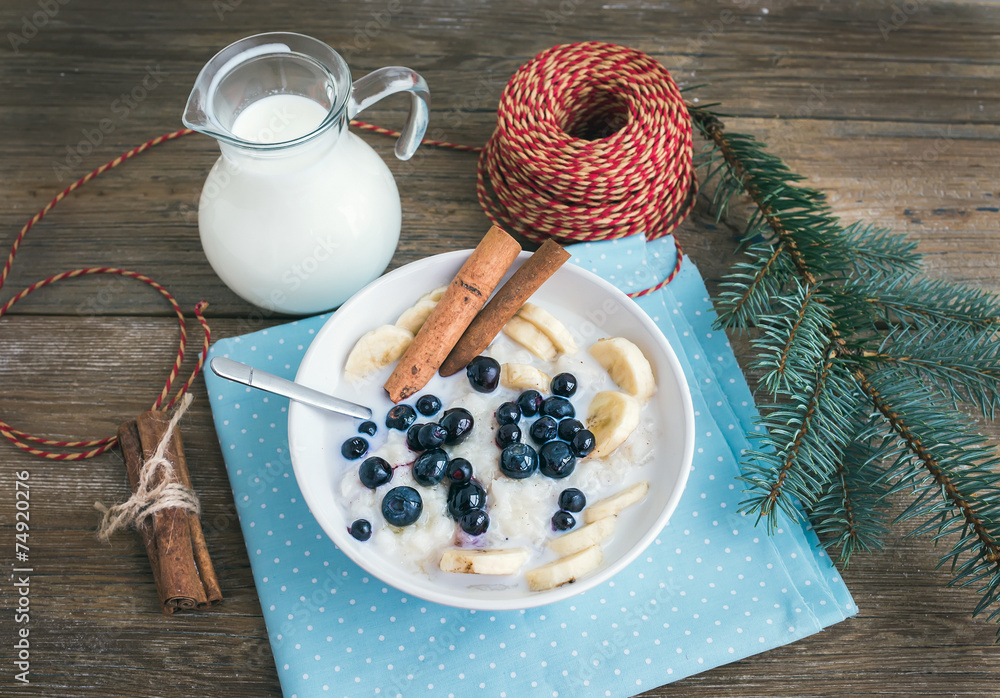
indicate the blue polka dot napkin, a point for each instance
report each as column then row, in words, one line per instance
column 710, row 590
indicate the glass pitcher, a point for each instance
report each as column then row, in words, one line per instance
column 298, row 213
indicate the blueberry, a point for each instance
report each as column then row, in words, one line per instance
column 401, row 417
column 374, row 471
column 459, row 470
column 431, row 436
column 484, row 374
column 464, row 497
column 582, row 443
column 556, row 460
column 564, row 384
column 562, row 521
column 458, row 422
column 508, row 413
column 428, row 405
column 572, row 499
column 430, row 466
column 558, row 407
column 518, row 461
column 354, row 448
column 361, row 530
column 508, row 434
column 568, row 427
column 530, row 401
column 367, row 428
column 413, row 437
column 474, row 522
column 401, row 506
column 544, row 429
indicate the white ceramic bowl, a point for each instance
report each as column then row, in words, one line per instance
column 601, row 310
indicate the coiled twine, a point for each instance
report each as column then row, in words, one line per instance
column 593, row 142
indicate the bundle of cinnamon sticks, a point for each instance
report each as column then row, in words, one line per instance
column 460, row 327
column 175, row 543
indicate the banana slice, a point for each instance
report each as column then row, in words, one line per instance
column 524, row 377
column 376, row 349
column 530, row 337
column 612, row 417
column 565, row 569
column 435, row 295
column 613, row 505
column 494, row 561
column 627, row 366
column 550, row 327
column 584, row 537
column 414, row 317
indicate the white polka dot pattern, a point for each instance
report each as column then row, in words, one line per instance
column 710, row 590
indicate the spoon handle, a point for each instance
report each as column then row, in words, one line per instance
column 268, row 382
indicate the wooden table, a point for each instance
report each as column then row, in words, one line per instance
column 891, row 108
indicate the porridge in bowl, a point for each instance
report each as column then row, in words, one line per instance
column 515, row 469
column 482, row 551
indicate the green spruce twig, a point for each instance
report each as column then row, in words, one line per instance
column 865, row 367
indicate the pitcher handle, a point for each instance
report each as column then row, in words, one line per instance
column 388, row 81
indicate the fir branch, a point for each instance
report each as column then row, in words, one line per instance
column 966, row 366
column 796, row 216
column 852, row 514
column 847, row 328
column 921, row 301
column 804, row 442
column 739, row 152
column 952, row 473
column 878, row 251
column 793, row 339
column 753, row 285
column 959, row 463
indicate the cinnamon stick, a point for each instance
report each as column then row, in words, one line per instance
column 206, row 570
column 183, row 571
column 131, row 446
column 466, row 295
column 175, row 454
column 180, row 587
column 507, row 301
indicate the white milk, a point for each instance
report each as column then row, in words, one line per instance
column 298, row 229
column 278, row 118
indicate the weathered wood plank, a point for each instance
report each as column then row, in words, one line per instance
column 891, row 108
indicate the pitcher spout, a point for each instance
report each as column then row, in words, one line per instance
column 195, row 116
column 261, row 66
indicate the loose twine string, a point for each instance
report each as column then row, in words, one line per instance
column 593, row 142
column 29, row 443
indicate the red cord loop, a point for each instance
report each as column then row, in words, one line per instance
column 24, row 440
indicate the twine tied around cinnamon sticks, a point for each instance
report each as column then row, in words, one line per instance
column 157, row 488
column 165, row 511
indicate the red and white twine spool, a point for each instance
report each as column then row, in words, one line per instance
column 593, row 142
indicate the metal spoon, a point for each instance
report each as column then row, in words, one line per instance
column 268, row 382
